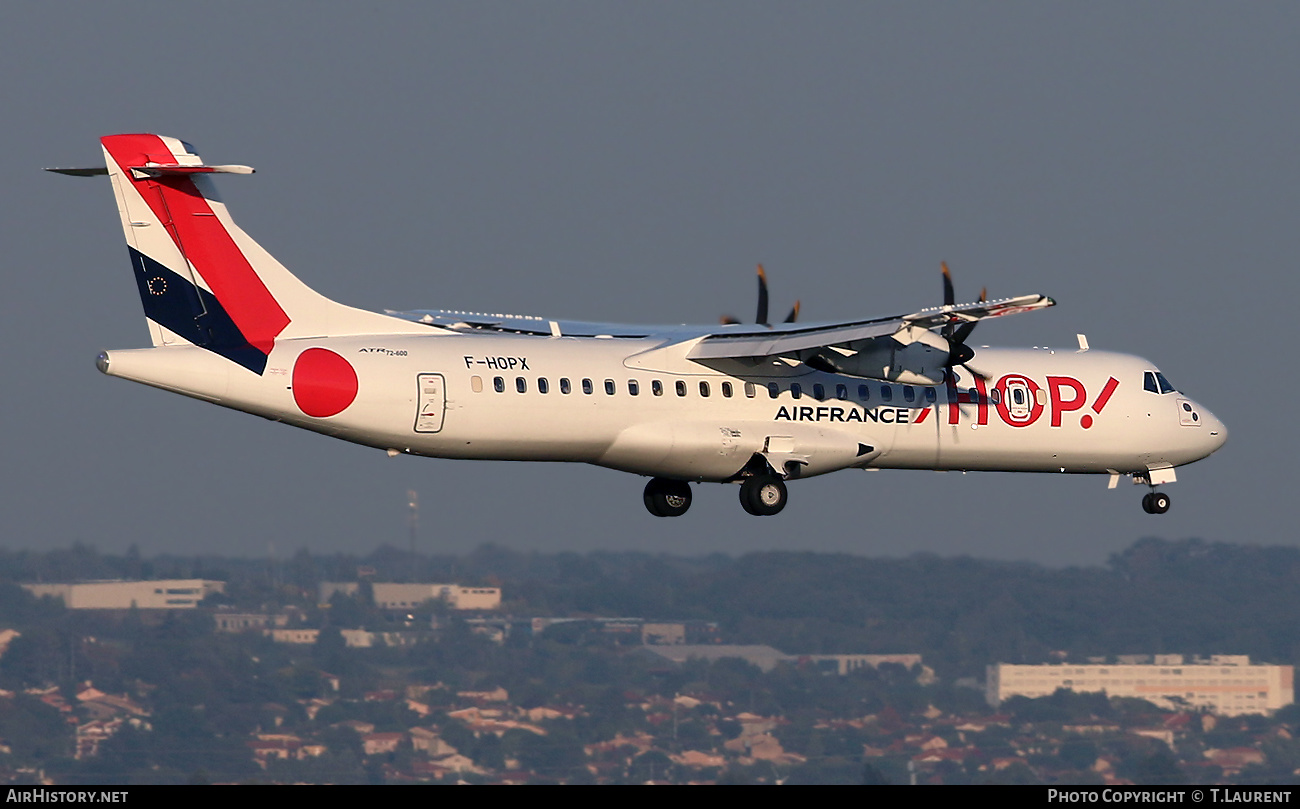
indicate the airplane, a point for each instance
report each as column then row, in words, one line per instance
column 757, row 405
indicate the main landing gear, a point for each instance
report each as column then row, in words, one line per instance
column 667, row 498
column 763, row 495
column 1155, row 503
column 760, row 495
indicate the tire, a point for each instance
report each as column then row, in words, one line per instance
column 667, row 498
column 763, row 495
column 1146, row 503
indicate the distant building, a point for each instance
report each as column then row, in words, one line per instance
column 244, row 621
column 305, row 636
column 164, row 594
column 364, row 639
column 1222, row 684
column 663, row 634
column 409, row 596
column 767, row 658
column 843, row 664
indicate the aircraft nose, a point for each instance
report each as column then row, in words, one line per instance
column 1216, row 433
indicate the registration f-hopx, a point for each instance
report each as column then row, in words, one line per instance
column 756, row 405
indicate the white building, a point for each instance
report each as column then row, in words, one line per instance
column 409, row 596
column 164, row 594
column 302, row 636
column 1222, row 684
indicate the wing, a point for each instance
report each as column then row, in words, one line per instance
column 804, row 342
column 904, row 348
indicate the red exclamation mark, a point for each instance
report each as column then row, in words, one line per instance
column 1106, row 393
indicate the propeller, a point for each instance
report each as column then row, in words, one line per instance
column 959, row 353
column 761, row 316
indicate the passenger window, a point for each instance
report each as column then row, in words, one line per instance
column 909, row 393
column 499, row 384
column 864, row 393
column 841, row 391
column 587, row 387
column 476, row 384
column 681, row 388
column 750, row 392
column 542, row 385
column 633, row 388
column 886, row 393
column 773, row 390
column 931, row 395
column 726, row 389
column 609, row 387
column 819, row 392
column 521, row 384
column 704, row 389
column 796, row 390
column 657, row 387
column 564, row 385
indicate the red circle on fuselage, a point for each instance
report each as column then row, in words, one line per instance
column 324, row 383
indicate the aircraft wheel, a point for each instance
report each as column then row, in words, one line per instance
column 1146, row 503
column 763, row 495
column 667, row 498
column 1159, row 502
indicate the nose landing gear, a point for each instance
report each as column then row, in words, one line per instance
column 1155, row 503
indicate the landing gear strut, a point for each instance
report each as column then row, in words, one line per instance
column 763, row 495
column 667, row 498
column 1155, row 503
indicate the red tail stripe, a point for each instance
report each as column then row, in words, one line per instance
column 202, row 239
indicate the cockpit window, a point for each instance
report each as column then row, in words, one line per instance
column 1155, row 382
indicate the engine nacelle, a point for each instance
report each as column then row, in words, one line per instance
column 913, row 356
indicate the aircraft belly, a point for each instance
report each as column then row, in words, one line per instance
column 682, row 450
column 1037, row 448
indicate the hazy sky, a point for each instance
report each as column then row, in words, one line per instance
column 633, row 161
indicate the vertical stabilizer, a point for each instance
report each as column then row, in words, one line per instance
column 202, row 280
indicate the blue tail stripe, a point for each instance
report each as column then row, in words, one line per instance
column 191, row 312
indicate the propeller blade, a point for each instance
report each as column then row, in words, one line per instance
column 761, row 315
column 963, row 331
column 949, row 298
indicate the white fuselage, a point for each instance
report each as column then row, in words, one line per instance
column 638, row 405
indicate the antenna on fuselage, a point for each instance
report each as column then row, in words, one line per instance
column 413, row 515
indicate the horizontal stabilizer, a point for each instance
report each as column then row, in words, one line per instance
column 164, row 171
column 151, row 170
column 91, row 172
